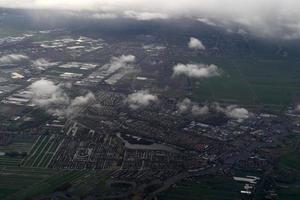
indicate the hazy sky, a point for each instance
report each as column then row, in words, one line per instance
column 263, row 17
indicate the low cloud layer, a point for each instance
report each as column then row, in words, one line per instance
column 233, row 112
column 45, row 94
column 42, row 64
column 52, row 97
column 141, row 99
column 297, row 108
column 187, row 106
column 195, row 43
column 13, row 58
column 196, row 70
column 237, row 113
column 119, row 62
column 268, row 18
column 145, row 16
column 76, row 104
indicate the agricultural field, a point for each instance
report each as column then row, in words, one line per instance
column 20, row 144
column 42, row 151
column 14, row 152
column 251, row 83
column 289, row 190
column 91, row 181
column 5, row 32
column 290, row 193
column 24, row 182
column 14, row 179
column 22, row 178
column 218, row 188
column 290, row 162
column 18, row 183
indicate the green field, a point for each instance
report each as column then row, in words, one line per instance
column 291, row 193
column 14, row 179
column 19, row 183
column 269, row 83
column 291, row 159
column 22, row 144
column 8, row 161
column 42, row 151
column 91, row 180
column 8, row 32
column 216, row 188
column 22, row 178
column 47, row 185
column 290, row 162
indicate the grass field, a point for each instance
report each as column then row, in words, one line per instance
column 217, row 188
column 8, row 161
column 291, row 193
column 42, row 151
column 14, row 179
column 21, row 179
column 291, row 162
column 271, row 83
column 19, row 182
column 47, row 185
column 6, row 31
column 21, row 144
column 91, row 180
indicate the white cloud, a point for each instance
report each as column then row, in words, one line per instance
column 196, row 70
column 297, row 108
column 233, row 111
column 195, row 43
column 198, row 110
column 275, row 18
column 52, row 97
column 184, row 105
column 237, row 113
column 141, row 99
column 119, row 62
column 145, row 16
column 207, row 21
column 42, row 63
column 13, row 58
column 82, row 100
column 242, row 32
column 104, row 16
column 77, row 103
column 45, row 93
column 153, row 47
column 187, row 106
